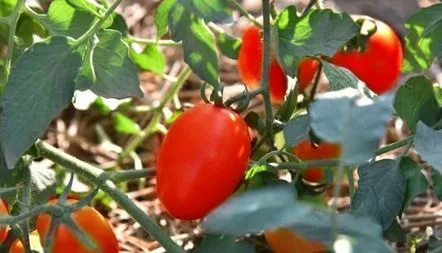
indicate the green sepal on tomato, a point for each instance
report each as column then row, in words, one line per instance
column 202, row 160
column 250, row 65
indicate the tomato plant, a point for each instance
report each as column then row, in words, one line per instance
column 82, row 55
column 196, row 172
column 379, row 63
column 90, row 221
column 250, row 65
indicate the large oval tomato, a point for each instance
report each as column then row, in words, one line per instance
column 308, row 151
column 284, row 240
column 3, row 212
column 90, row 221
column 201, row 161
column 379, row 66
column 250, row 65
column 306, row 72
column 17, row 247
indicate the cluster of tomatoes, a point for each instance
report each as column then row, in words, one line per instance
column 206, row 151
column 89, row 220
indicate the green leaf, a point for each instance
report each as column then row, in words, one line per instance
column 287, row 109
column 63, row 19
column 198, row 43
column 320, row 32
column 354, row 121
column 395, row 233
column 6, row 7
column 125, row 125
column 380, row 193
column 436, row 177
column 424, row 39
column 84, row 5
column 276, row 206
column 428, row 144
column 223, row 244
column 416, row 182
column 211, row 11
column 434, row 245
column 119, row 24
column 161, row 16
column 341, row 78
column 150, row 59
column 438, row 93
column 35, row 94
column 115, row 75
column 27, row 27
column 296, row 130
column 229, row 45
column 414, row 97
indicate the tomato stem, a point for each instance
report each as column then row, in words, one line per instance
column 244, row 13
column 230, row 101
column 152, row 126
column 316, row 81
column 126, row 175
column 395, row 145
column 25, row 205
column 309, row 6
column 95, row 27
column 266, row 69
column 92, row 174
column 168, row 43
column 11, row 21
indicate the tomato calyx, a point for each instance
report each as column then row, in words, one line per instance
column 359, row 42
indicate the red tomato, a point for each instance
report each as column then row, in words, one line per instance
column 3, row 212
column 90, row 221
column 379, row 66
column 284, row 240
column 201, row 161
column 250, row 65
column 17, row 247
column 306, row 72
column 307, row 151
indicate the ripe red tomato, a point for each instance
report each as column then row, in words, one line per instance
column 308, row 151
column 90, row 221
column 306, row 72
column 250, row 65
column 379, row 66
column 201, row 161
column 3, row 212
column 17, row 247
column 284, row 240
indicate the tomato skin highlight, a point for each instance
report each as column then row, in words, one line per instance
column 284, row 240
column 306, row 72
column 3, row 212
column 250, row 65
column 17, row 247
column 306, row 150
column 90, row 221
column 379, row 66
column 202, row 160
